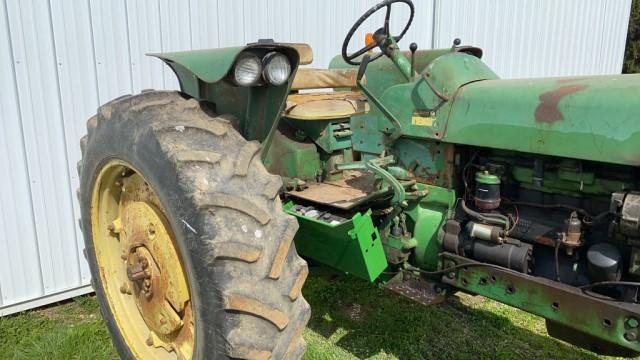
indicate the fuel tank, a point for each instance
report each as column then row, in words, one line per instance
column 592, row 118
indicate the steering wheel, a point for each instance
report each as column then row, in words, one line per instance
column 349, row 58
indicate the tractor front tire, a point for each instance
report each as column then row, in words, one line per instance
column 190, row 251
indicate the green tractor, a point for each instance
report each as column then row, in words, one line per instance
column 421, row 171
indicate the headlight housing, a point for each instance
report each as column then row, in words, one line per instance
column 277, row 68
column 247, row 70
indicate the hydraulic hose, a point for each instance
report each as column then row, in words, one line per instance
column 494, row 219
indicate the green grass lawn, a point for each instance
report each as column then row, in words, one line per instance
column 351, row 319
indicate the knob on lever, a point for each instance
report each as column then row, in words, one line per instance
column 413, row 47
column 456, row 42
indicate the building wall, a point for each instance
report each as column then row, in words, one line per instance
column 533, row 38
column 61, row 59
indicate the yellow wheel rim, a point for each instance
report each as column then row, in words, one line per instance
column 143, row 278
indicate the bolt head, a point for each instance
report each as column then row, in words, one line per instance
column 632, row 322
column 149, row 341
column 630, row 336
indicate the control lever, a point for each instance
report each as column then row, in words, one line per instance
column 363, row 67
column 397, row 127
column 413, row 47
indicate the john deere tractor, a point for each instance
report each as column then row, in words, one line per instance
column 418, row 170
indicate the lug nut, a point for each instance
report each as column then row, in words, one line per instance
column 149, row 341
column 632, row 322
column 123, row 288
column 135, row 273
column 630, row 336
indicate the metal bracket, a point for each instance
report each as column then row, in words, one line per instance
column 419, row 290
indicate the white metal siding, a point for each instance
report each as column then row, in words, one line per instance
column 531, row 38
column 60, row 59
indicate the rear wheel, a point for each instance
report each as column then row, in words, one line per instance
column 190, row 251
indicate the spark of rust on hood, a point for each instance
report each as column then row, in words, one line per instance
column 547, row 111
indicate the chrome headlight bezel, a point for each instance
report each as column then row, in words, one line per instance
column 276, row 75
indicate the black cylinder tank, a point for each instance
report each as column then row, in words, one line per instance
column 604, row 262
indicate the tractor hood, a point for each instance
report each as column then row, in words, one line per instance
column 592, row 118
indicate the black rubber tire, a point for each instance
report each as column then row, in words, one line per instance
column 234, row 239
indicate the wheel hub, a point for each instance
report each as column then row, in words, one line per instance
column 152, row 303
column 139, row 273
column 160, row 295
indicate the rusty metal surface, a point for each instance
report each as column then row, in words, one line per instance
column 564, row 304
column 344, row 193
column 418, row 290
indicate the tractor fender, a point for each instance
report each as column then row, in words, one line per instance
column 204, row 75
column 212, row 65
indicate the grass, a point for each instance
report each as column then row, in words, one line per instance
column 350, row 319
column 72, row 330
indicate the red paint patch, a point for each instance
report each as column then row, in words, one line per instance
column 547, row 111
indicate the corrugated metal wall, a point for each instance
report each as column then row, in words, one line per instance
column 530, row 38
column 60, row 59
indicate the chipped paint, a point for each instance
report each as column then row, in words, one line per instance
column 547, row 111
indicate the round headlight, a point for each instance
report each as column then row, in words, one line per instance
column 247, row 70
column 276, row 68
